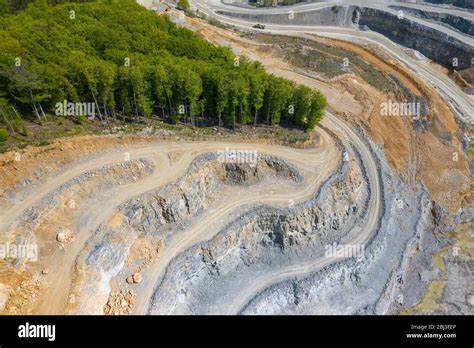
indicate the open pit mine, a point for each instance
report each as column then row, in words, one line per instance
column 369, row 213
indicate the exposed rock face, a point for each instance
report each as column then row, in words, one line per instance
column 335, row 16
column 459, row 23
column 159, row 213
column 458, row 3
column 393, row 275
column 194, row 191
column 414, row 35
column 406, row 32
column 209, row 275
column 380, row 282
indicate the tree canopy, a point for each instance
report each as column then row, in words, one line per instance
column 129, row 61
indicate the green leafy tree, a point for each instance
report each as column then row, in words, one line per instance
column 139, row 66
column 3, row 135
column 183, row 5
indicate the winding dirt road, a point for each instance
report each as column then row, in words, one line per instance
column 321, row 162
column 363, row 234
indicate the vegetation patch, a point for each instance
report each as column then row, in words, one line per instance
column 121, row 62
column 326, row 60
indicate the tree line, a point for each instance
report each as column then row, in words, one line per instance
column 132, row 63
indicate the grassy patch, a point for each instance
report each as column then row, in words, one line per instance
column 327, row 60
